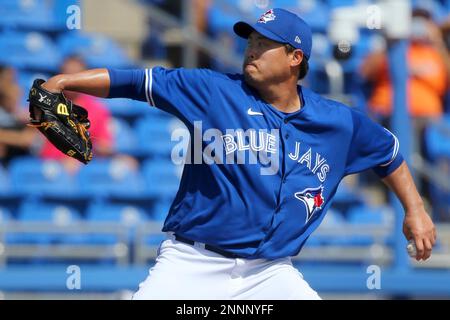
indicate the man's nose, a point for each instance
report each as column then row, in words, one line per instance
column 251, row 55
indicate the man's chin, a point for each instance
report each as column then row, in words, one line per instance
column 249, row 79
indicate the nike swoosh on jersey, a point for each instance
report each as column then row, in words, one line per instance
column 253, row 113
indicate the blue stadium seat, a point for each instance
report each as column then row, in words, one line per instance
column 96, row 49
column 35, row 211
column 4, row 181
column 364, row 215
column 314, row 12
column 124, row 137
column 9, row 199
column 221, row 18
column 28, row 15
column 29, row 51
column 437, row 138
column 154, row 135
column 347, row 197
column 332, row 219
column 129, row 216
column 54, row 213
column 379, row 215
column 162, row 178
column 126, row 215
column 332, row 4
column 126, row 108
column 5, row 215
column 437, row 146
column 32, row 176
column 106, row 176
column 25, row 80
column 161, row 209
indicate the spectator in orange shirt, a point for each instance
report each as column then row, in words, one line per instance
column 427, row 81
column 428, row 68
column 99, row 116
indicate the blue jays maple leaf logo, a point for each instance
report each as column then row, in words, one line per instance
column 313, row 200
column 268, row 16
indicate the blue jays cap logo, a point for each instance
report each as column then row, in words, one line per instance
column 313, row 200
column 268, row 16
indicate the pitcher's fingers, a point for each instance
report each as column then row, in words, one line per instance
column 420, row 250
column 432, row 238
column 428, row 247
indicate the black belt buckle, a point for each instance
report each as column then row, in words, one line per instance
column 207, row 247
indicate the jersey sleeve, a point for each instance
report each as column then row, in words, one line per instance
column 372, row 147
column 184, row 93
column 127, row 84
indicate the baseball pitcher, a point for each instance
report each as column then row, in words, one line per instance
column 272, row 154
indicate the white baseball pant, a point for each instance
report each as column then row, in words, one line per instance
column 190, row 272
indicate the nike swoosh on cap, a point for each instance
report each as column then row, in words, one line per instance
column 253, row 113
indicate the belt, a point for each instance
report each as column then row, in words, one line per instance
column 208, row 247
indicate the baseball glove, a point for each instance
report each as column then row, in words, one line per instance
column 63, row 123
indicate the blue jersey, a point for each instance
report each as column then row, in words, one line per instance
column 262, row 180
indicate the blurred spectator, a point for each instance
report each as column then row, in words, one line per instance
column 427, row 74
column 428, row 66
column 427, row 83
column 99, row 116
column 440, row 37
column 201, row 13
column 16, row 139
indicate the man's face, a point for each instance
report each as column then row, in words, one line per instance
column 266, row 61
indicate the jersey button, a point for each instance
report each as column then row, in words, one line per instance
column 284, row 180
column 286, row 120
column 278, row 209
column 286, row 136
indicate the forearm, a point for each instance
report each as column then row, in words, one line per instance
column 402, row 184
column 94, row 82
column 417, row 224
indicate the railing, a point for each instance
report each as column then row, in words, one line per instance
column 192, row 38
column 427, row 170
column 64, row 247
column 132, row 247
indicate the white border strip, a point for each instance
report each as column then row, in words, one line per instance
column 396, row 148
column 148, row 86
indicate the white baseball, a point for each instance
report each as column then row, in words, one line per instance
column 411, row 248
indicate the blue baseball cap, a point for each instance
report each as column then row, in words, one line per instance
column 282, row 26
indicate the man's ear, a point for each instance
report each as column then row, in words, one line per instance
column 297, row 58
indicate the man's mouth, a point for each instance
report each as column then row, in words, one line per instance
column 250, row 64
